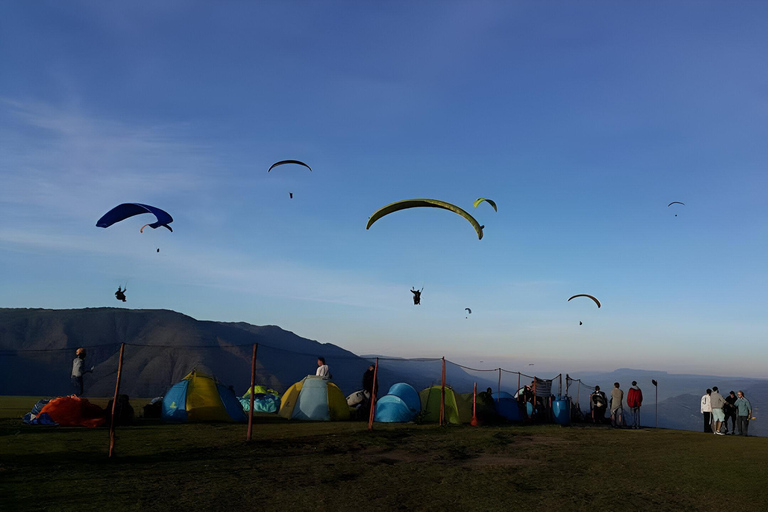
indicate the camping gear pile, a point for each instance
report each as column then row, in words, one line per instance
column 264, row 400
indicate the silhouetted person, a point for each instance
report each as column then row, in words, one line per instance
column 370, row 385
column 416, row 296
column 78, row 371
column 120, row 293
column 598, row 402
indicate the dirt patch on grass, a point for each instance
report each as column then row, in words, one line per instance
column 485, row 460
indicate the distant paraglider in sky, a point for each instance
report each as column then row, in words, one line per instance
column 675, row 202
column 120, row 293
column 588, row 296
column 285, row 162
column 424, row 203
column 416, row 296
column 469, row 312
column 489, row 201
column 126, row 210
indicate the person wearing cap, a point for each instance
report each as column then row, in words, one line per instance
column 78, row 371
column 718, row 416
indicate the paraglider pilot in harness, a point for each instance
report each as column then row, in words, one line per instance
column 120, row 293
column 416, row 296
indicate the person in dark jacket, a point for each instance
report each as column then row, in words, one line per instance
column 729, row 409
column 599, row 403
column 370, row 385
column 634, row 402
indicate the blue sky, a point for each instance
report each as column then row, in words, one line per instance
column 581, row 121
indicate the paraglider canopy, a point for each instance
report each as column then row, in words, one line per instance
column 489, row 201
column 126, row 210
column 284, row 162
column 585, row 295
column 424, row 203
column 675, row 202
column 468, row 310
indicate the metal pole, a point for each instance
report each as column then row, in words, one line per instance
column 474, row 406
column 114, row 401
column 372, row 413
column 657, row 403
column 498, row 386
column 249, row 435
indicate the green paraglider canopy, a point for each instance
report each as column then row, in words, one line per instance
column 422, row 203
column 489, row 201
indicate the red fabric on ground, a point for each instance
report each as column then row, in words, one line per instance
column 75, row 411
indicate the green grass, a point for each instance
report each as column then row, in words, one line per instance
column 342, row 466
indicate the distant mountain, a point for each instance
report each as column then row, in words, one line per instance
column 37, row 347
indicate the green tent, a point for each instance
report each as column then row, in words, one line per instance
column 457, row 410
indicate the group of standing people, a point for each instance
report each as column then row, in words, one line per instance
column 717, row 410
column 599, row 403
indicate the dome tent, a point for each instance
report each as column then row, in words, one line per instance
column 200, row 397
column 314, row 398
column 456, row 411
column 401, row 404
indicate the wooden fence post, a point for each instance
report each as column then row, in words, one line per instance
column 114, row 401
column 372, row 413
column 442, row 395
column 249, row 434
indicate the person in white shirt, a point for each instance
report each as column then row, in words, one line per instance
column 322, row 368
column 706, row 410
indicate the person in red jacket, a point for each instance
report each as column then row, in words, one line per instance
column 634, row 401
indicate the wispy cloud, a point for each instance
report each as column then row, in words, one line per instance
column 64, row 162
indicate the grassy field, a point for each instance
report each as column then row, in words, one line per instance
column 342, row 466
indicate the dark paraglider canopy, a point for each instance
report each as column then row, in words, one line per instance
column 285, row 162
column 416, row 296
column 126, row 210
column 424, row 203
column 675, row 202
column 468, row 310
column 589, row 296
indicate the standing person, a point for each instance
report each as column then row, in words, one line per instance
column 369, row 383
column 598, row 403
column 744, row 410
column 77, row 371
column 718, row 416
column 706, row 410
column 730, row 412
column 634, row 402
column 617, row 407
column 322, row 368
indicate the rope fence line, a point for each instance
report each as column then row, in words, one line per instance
column 164, row 373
